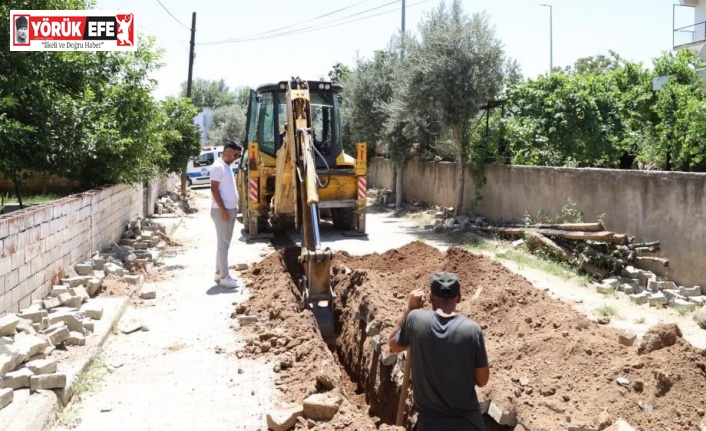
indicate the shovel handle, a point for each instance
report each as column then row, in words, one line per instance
column 404, row 389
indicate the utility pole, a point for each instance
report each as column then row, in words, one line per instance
column 191, row 54
column 400, row 167
column 551, row 39
column 188, row 88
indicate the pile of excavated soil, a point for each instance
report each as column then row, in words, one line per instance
column 550, row 365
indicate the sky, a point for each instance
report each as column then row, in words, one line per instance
column 344, row 30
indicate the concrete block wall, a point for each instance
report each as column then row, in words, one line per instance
column 37, row 243
column 650, row 205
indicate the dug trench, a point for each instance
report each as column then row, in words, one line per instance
column 551, row 367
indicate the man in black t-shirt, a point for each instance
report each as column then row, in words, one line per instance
column 448, row 358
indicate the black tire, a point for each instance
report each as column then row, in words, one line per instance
column 344, row 218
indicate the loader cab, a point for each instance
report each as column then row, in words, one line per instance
column 268, row 120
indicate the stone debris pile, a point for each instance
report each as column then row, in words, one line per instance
column 174, row 203
column 68, row 314
column 643, row 287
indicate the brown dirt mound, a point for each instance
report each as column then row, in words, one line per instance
column 549, row 364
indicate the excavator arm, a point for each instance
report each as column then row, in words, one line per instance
column 316, row 283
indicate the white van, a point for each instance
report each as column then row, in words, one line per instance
column 198, row 170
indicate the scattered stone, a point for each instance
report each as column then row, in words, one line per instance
column 71, row 319
column 51, row 303
column 129, row 326
column 284, row 418
column 8, row 324
column 106, row 409
column 603, row 320
column 322, row 407
column 73, row 302
column 373, row 328
column 620, row 425
column 75, row 339
column 137, row 279
column 501, row 416
column 94, row 285
column 640, row 298
column 148, row 292
column 6, row 397
column 84, row 269
column 622, row 381
column 680, row 303
column 89, row 325
column 35, row 315
column 247, row 320
column 17, row 379
column 690, row 291
column 657, row 299
column 241, row 266
column 58, row 290
column 92, row 310
column 658, row 337
column 47, row 381
column 630, row 272
column 325, row 380
column 57, row 335
column 627, row 338
column 31, row 344
column 81, row 292
column 42, row 366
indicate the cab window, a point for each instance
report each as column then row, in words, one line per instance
column 266, row 124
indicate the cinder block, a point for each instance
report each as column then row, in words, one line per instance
column 654, row 286
column 51, row 303
column 42, row 366
column 94, row 286
column 92, row 310
column 17, row 379
column 57, row 290
column 640, row 298
column 8, row 324
column 137, row 279
column 89, row 325
column 81, row 292
column 613, row 282
column 678, row 303
column 76, row 339
column 57, row 335
column 502, row 416
column 690, row 291
column 668, row 285
column 84, row 269
column 64, row 297
column 657, row 299
column 6, row 397
column 73, row 302
column 47, row 381
column 73, row 281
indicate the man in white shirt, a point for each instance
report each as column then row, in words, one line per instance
column 224, row 209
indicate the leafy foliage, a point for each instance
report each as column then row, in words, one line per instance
column 182, row 138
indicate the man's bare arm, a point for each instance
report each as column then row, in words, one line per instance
column 482, row 375
column 414, row 301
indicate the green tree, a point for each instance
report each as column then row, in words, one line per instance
column 457, row 66
column 40, row 102
column 339, row 73
column 181, row 137
column 228, row 125
column 212, row 94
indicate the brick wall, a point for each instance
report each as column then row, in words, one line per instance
column 37, row 243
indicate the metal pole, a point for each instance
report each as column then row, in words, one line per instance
column 400, row 167
column 403, row 30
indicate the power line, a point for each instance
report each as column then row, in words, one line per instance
column 267, row 35
column 175, row 18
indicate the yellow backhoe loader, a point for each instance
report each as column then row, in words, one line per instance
column 294, row 169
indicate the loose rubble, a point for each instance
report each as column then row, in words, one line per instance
column 67, row 316
column 593, row 377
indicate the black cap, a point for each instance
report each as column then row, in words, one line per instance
column 21, row 22
column 445, row 285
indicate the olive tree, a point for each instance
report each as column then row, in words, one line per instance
column 456, row 67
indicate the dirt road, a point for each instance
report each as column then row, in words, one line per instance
column 195, row 369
